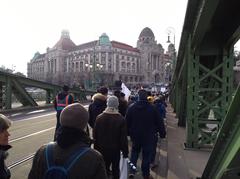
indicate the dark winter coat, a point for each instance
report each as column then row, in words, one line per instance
column 143, row 122
column 4, row 171
column 122, row 106
column 96, row 107
column 161, row 108
column 90, row 166
column 110, row 133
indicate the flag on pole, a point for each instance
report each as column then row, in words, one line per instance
column 126, row 91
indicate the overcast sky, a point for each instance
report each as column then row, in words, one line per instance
column 28, row 26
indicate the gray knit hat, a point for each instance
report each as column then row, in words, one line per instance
column 5, row 123
column 75, row 116
column 112, row 102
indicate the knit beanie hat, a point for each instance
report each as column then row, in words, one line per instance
column 112, row 102
column 5, row 123
column 75, row 116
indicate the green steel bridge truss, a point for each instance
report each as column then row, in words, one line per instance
column 202, row 91
column 11, row 84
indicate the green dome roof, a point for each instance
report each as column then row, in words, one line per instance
column 104, row 39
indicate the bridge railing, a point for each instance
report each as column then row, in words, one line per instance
column 225, row 157
column 11, row 84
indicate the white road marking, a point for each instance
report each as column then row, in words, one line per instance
column 49, row 114
column 36, row 117
column 36, row 133
column 16, row 114
column 37, row 111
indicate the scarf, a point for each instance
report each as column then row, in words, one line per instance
column 111, row 110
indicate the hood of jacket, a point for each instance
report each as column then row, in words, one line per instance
column 99, row 99
column 69, row 136
column 99, row 96
column 141, row 104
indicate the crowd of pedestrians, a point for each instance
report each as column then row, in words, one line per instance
column 94, row 152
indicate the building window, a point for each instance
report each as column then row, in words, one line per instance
column 128, row 67
column 131, row 79
column 81, row 66
column 77, row 66
column 109, row 66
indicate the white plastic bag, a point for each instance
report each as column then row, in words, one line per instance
column 123, row 166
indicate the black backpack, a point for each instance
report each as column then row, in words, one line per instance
column 60, row 171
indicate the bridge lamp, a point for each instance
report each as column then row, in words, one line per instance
column 170, row 31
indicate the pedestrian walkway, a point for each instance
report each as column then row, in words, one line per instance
column 182, row 163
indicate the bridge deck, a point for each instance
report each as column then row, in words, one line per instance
column 182, row 163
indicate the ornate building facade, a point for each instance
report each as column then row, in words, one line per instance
column 101, row 62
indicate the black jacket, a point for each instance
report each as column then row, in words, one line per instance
column 143, row 122
column 4, row 171
column 96, row 107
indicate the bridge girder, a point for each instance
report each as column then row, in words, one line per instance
column 204, row 70
column 205, row 50
column 13, row 84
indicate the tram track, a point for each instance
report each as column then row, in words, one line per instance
column 30, row 135
column 19, row 162
column 30, row 156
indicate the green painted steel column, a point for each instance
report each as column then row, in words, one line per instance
column 8, row 93
column 182, row 116
column 227, row 86
column 48, row 96
column 1, row 95
column 192, row 97
column 177, row 99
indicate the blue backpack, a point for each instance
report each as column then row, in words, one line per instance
column 58, row 171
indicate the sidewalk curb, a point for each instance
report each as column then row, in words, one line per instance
column 22, row 109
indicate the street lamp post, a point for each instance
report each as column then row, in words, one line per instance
column 89, row 67
column 171, row 31
column 93, row 68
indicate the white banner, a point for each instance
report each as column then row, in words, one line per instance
column 126, row 91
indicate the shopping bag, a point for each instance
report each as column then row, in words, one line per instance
column 123, row 166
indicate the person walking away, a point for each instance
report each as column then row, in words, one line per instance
column 131, row 100
column 98, row 105
column 158, row 103
column 143, row 123
column 61, row 101
column 122, row 108
column 110, row 136
column 71, row 152
column 5, row 123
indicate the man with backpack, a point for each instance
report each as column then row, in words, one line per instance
column 70, row 157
